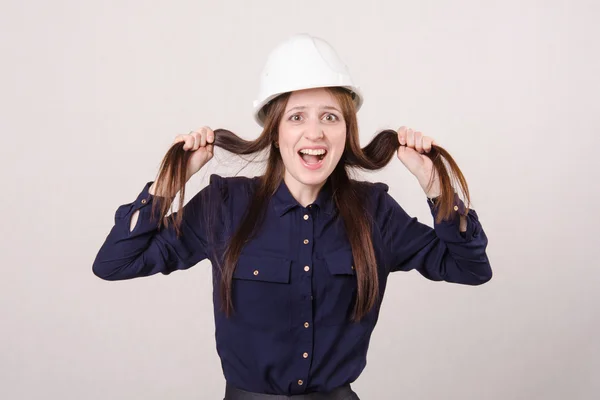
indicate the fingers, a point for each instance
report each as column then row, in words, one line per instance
column 410, row 138
column 402, row 135
column 419, row 142
column 205, row 136
column 415, row 140
column 178, row 139
column 427, row 143
column 196, row 139
column 188, row 140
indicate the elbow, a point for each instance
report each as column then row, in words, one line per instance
column 113, row 270
column 484, row 277
column 100, row 272
column 473, row 276
column 105, row 271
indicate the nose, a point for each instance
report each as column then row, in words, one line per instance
column 314, row 130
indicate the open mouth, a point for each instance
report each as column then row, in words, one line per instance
column 312, row 158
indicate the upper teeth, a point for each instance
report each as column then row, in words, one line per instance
column 313, row 152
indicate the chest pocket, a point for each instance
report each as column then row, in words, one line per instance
column 337, row 291
column 261, row 291
column 340, row 262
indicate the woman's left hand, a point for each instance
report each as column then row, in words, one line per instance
column 413, row 147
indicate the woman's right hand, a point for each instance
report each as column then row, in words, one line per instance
column 200, row 143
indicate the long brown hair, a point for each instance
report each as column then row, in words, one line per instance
column 348, row 194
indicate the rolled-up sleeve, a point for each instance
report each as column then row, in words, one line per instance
column 147, row 250
column 438, row 253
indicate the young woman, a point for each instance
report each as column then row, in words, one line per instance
column 300, row 254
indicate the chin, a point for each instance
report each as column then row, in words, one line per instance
column 310, row 178
column 313, row 180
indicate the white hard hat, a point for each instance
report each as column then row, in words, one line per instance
column 302, row 62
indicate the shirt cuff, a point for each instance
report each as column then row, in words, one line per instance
column 449, row 230
column 143, row 200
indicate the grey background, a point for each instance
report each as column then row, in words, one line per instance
column 93, row 93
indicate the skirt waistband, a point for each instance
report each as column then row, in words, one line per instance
column 341, row 393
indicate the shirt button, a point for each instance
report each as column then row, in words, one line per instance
column 255, row 272
column 305, row 355
column 306, row 324
column 305, row 217
column 307, row 268
column 143, row 201
column 305, row 241
column 455, row 208
column 300, row 382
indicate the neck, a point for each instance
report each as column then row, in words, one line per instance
column 304, row 194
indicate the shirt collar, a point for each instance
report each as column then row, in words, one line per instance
column 283, row 201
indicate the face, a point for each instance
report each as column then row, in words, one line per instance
column 312, row 136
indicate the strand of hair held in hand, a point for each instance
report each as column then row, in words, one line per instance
column 376, row 155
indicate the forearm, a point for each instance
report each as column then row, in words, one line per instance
column 152, row 191
column 139, row 248
column 433, row 190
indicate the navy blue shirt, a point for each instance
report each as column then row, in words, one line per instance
column 294, row 286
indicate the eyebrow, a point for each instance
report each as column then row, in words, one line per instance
column 299, row 108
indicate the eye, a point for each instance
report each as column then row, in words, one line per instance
column 295, row 118
column 331, row 117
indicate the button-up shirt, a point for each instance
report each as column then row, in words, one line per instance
column 294, row 284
